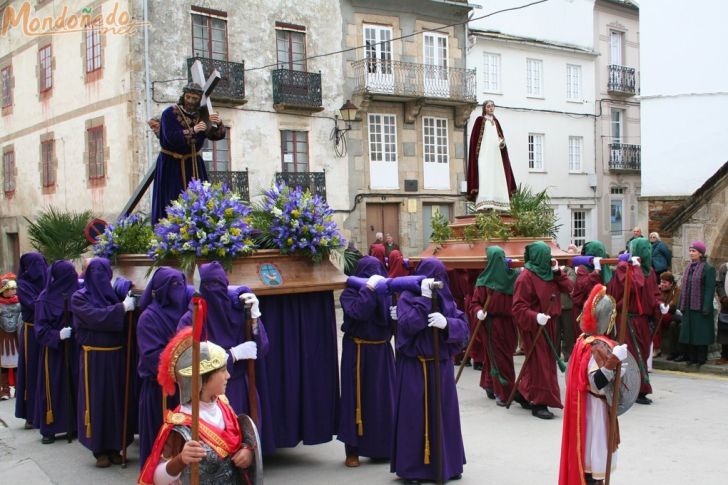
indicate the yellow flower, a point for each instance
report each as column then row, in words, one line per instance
column 295, row 213
column 210, row 204
column 204, row 251
column 289, row 241
column 235, row 231
column 229, row 212
column 183, row 230
column 221, row 252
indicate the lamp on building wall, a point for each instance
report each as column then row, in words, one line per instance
column 348, row 114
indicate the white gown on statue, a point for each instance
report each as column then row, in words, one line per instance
column 597, row 430
column 492, row 186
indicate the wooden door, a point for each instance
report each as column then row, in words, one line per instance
column 382, row 218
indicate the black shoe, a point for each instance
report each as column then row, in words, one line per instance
column 478, row 366
column 699, row 363
column 681, row 358
column 47, row 440
column 457, row 477
column 522, row 401
column 490, row 393
column 542, row 412
column 643, row 399
column 672, row 356
column 499, row 403
column 412, row 482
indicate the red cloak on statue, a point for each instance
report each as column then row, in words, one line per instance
column 475, row 137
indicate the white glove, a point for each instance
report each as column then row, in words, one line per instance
column 635, row 260
column 246, row 350
column 554, row 266
column 542, row 318
column 251, row 301
column 621, row 352
column 664, row 308
column 65, row 333
column 374, row 280
column 393, row 312
column 597, row 262
column 678, row 313
column 481, row 315
column 129, row 303
column 437, row 319
column 425, row 287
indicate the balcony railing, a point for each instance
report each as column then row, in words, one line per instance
column 231, row 87
column 622, row 80
column 314, row 181
column 235, row 181
column 297, row 88
column 624, row 157
column 409, row 79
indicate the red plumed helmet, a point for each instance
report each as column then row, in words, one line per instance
column 168, row 359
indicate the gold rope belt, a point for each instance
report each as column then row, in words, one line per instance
column 86, row 349
column 182, row 159
column 25, row 357
column 164, row 404
column 424, row 361
column 49, row 402
column 359, row 342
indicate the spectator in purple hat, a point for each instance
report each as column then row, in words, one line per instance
column 696, row 305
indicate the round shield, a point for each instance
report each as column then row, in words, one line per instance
column 252, row 438
column 629, row 385
column 94, row 228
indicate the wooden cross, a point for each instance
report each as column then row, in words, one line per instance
column 208, row 86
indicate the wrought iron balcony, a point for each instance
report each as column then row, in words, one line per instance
column 314, row 181
column 235, row 181
column 622, row 80
column 624, row 158
column 297, row 90
column 230, row 90
column 413, row 80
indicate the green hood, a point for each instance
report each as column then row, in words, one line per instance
column 538, row 260
column 641, row 247
column 496, row 275
column 596, row 249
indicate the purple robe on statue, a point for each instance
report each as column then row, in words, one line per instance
column 31, row 281
column 303, row 367
column 177, row 137
column 163, row 303
column 370, row 358
column 99, row 322
column 414, row 346
column 225, row 326
column 54, row 401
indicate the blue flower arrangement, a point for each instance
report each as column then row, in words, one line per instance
column 296, row 222
column 206, row 221
column 131, row 234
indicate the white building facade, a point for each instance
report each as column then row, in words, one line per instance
column 544, row 96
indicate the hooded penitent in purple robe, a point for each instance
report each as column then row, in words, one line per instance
column 31, row 281
column 57, row 359
column 367, row 368
column 163, row 303
column 415, row 394
column 99, row 322
column 225, row 326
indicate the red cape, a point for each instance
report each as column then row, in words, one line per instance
column 225, row 442
column 474, row 151
column 573, row 438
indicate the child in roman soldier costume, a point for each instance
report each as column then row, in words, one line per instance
column 226, row 451
column 589, row 391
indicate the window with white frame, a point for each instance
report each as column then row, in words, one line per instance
column 435, row 139
column 534, row 78
column 576, row 150
column 573, row 82
column 615, row 47
column 535, row 151
column 382, row 138
column 491, row 71
column 436, row 153
column 383, row 166
column 578, row 227
column 617, row 125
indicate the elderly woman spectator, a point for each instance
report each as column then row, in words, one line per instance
column 696, row 305
column 661, row 255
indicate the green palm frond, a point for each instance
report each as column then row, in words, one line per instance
column 59, row 235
